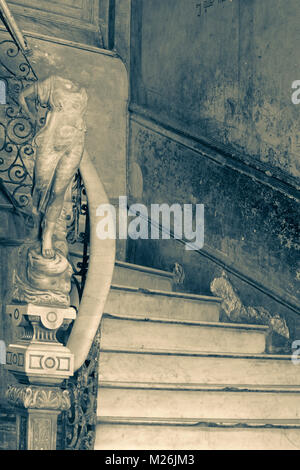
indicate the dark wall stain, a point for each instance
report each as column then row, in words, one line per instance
column 248, row 225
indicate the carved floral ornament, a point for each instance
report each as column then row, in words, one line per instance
column 40, row 398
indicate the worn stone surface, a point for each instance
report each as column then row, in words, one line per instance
column 42, row 281
column 181, row 336
column 202, row 368
column 224, row 72
column 135, row 276
column 197, row 404
column 139, row 302
column 202, row 437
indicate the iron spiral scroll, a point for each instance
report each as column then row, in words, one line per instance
column 17, row 130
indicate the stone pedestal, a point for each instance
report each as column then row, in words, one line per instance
column 37, row 411
column 38, row 357
column 40, row 363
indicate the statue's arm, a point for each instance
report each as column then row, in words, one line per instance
column 22, row 100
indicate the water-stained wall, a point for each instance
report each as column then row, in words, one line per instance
column 213, row 122
column 251, row 230
column 222, row 70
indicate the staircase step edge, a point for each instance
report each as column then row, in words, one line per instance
column 243, row 388
column 145, row 318
column 191, row 422
column 178, row 352
column 145, row 269
column 135, row 267
column 161, row 293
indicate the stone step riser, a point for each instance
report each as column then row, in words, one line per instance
column 143, row 437
column 196, row 369
column 134, row 303
column 200, row 404
column 119, row 333
column 126, row 276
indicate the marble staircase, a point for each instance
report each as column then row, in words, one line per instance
column 172, row 376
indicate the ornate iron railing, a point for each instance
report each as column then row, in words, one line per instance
column 16, row 129
column 80, row 422
column 78, row 234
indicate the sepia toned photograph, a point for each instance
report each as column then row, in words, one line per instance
column 149, row 228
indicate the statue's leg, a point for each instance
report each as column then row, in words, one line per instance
column 65, row 172
column 46, row 162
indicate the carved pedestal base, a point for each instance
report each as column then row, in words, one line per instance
column 37, row 430
column 38, row 357
column 37, row 411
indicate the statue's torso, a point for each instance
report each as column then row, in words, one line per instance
column 65, row 120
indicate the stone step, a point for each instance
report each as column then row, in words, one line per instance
column 156, row 333
column 124, row 434
column 134, row 275
column 197, row 402
column 127, row 274
column 167, row 366
column 130, row 301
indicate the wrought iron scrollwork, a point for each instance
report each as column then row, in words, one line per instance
column 78, row 234
column 80, row 422
column 16, row 129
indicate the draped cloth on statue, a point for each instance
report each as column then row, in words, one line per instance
column 60, row 142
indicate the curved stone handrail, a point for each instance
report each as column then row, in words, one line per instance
column 100, row 271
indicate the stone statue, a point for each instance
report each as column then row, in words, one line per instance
column 59, row 145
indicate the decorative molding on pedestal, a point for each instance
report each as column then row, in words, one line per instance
column 39, row 398
column 37, row 411
column 38, row 357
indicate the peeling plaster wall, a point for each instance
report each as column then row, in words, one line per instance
column 220, row 79
column 224, row 72
column 247, row 225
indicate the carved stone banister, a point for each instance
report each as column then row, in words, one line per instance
column 101, row 266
